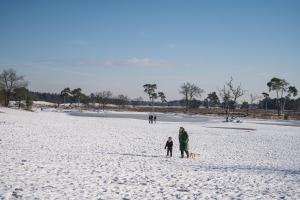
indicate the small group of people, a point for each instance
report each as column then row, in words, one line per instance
column 183, row 143
column 152, row 118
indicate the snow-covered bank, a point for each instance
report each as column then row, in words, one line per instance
column 163, row 117
column 50, row 155
column 181, row 117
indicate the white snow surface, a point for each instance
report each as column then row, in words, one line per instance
column 43, row 103
column 51, row 155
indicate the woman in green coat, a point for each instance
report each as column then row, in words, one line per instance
column 183, row 142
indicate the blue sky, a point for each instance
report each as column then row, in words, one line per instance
column 121, row 45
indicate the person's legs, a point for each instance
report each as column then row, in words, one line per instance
column 168, row 151
column 182, row 155
column 171, row 152
column 187, row 153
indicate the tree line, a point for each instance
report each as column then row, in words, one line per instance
column 14, row 87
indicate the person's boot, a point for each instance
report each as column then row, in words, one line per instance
column 187, row 154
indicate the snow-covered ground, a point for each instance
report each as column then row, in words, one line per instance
column 52, row 155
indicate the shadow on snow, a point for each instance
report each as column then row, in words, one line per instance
column 233, row 168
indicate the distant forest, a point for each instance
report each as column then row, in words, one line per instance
column 13, row 87
column 270, row 104
column 56, row 98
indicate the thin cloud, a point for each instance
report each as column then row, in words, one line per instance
column 54, row 66
column 128, row 62
column 145, row 62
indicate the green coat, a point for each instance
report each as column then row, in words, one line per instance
column 184, row 141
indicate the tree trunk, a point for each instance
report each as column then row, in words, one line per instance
column 227, row 113
column 152, row 103
column 6, row 99
column 283, row 105
column 186, row 104
column 277, row 103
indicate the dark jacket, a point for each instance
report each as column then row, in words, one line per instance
column 169, row 144
column 183, row 141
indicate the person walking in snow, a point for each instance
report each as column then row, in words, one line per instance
column 183, row 142
column 169, row 146
column 154, row 119
column 150, row 119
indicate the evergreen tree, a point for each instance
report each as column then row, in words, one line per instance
column 283, row 91
column 65, row 93
column 212, row 99
column 150, row 90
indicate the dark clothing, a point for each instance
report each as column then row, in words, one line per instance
column 150, row 119
column 169, row 146
column 184, row 141
column 154, row 119
column 182, row 153
column 169, row 151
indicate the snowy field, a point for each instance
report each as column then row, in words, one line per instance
column 51, row 155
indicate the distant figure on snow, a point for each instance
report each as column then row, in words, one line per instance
column 154, row 119
column 169, row 146
column 150, row 119
column 183, row 142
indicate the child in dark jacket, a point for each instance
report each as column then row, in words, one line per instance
column 169, row 146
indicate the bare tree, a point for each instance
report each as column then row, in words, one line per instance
column 226, row 97
column 103, row 98
column 190, row 92
column 184, row 89
column 237, row 92
column 9, row 81
column 230, row 94
column 122, row 100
